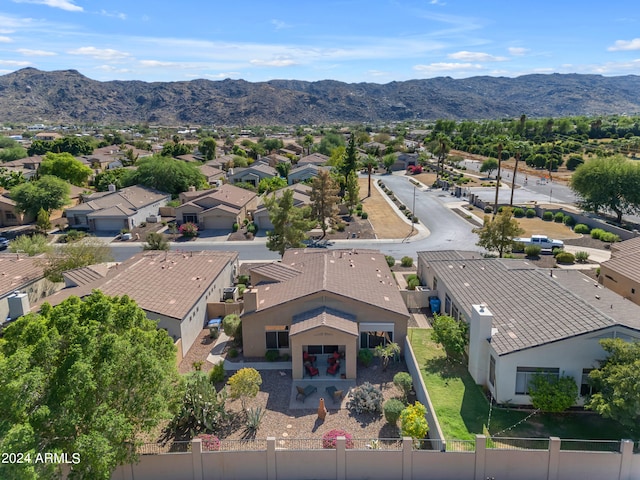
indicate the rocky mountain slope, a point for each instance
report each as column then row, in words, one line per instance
column 31, row 95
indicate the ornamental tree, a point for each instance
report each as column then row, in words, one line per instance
column 451, row 334
column 552, row 394
column 245, row 383
column 497, row 234
column 413, row 422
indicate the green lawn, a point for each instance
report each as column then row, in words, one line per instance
column 463, row 410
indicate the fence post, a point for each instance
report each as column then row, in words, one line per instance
column 341, row 458
column 481, row 453
column 626, row 459
column 196, row 459
column 407, row 458
column 554, row 458
column 272, row 472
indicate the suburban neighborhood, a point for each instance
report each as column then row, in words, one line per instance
column 390, row 306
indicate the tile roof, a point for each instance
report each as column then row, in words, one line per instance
column 17, row 270
column 315, row 158
column 166, row 283
column 277, row 272
column 530, row 307
column 362, row 275
column 226, row 194
column 625, row 259
column 324, row 317
column 132, row 198
column 86, row 275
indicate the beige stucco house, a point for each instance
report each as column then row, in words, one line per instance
column 217, row 208
column 524, row 320
column 621, row 273
column 321, row 302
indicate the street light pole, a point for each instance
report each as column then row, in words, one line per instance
column 413, row 209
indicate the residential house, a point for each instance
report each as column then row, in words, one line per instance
column 9, row 215
column 47, row 136
column 315, row 158
column 213, row 175
column 22, row 284
column 525, row 320
column 217, row 208
column 321, row 302
column 115, row 210
column 173, row 288
column 300, row 173
column 252, row 174
column 301, row 197
column 375, row 147
column 28, row 166
column 621, row 273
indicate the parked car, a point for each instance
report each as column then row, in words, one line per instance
column 4, row 243
column 544, row 242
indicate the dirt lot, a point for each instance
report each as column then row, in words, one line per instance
column 537, row 226
column 384, row 219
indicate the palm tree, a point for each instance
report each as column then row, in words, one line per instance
column 369, row 162
column 519, row 148
column 500, row 146
column 440, row 147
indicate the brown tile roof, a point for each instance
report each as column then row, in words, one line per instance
column 229, row 195
column 17, row 270
column 130, row 198
column 314, row 158
column 625, row 259
column 166, row 283
column 277, row 272
column 86, row 275
column 324, row 317
column 362, row 275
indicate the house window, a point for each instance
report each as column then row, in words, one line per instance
column 525, row 374
column 370, row 339
column 11, row 216
column 492, row 370
column 586, row 387
column 321, row 349
column 189, row 218
column 633, row 290
column 277, row 336
column 447, row 304
column 454, row 312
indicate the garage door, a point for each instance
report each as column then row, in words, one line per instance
column 109, row 224
column 219, row 222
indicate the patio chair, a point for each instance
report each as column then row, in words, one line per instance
column 311, row 370
column 334, row 369
column 333, row 358
column 308, row 358
column 305, row 392
column 335, row 394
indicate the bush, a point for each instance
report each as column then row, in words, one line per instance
column 364, row 215
column 412, row 421
column 244, row 279
column 188, row 230
column 31, row 245
column 517, row 247
column 547, row 216
column 518, row 212
column 597, row 233
column 232, row 326
column 582, row 257
column 406, row 261
column 532, row 251
column 252, row 228
column 565, row 257
column 241, row 289
column 340, row 226
column 530, row 213
column 581, row 228
column 235, row 227
column 210, row 443
column 366, row 398
column 569, row 221
column 609, row 237
column 390, row 260
column 330, row 439
column 404, row 382
column 272, row 355
column 216, row 374
column 365, row 356
column 392, row 409
column 254, row 418
column 488, row 209
column 553, row 394
column 232, row 353
column 558, row 217
column 412, row 283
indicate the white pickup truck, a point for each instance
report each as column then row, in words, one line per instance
column 544, row 242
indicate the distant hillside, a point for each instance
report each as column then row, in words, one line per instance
column 31, row 95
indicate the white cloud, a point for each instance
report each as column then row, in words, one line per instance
column 378, row 73
column 156, row 63
column 15, row 63
column 443, row 67
column 276, row 62
column 67, row 5
column 4, row 39
column 111, row 68
column 475, row 57
column 518, row 51
column 279, row 24
column 625, row 45
column 107, row 54
column 35, row 53
column 121, row 16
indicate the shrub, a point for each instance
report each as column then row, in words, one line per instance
column 581, row 228
column 518, row 212
column 232, row 326
column 558, row 217
column 565, row 257
column 532, row 251
column 272, row 355
column 404, row 382
column 366, row 398
column 547, row 216
column 582, row 257
column 392, row 409
column 390, row 260
column 365, row 356
column 597, row 233
column 244, row 279
column 412, row 421
column 31, row 245
column 569, row 221
column 402, row 207
column 406, row 261
column 243, row 384
column 232, row 353
column 252, row 228
column 330, row 439
column 210, row 443
column 488, row 209
column 412, row 283
column 254, row 418
column 517, row 247
column 241, row 288
column 235, row 227
column 609, row 237
column 340, row 226
column 553, row 394
column 364, row 215
column 216, row 374
column 530, row 213
column 188, row 230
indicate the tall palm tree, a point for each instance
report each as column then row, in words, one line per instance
column 440, row 147
column 519, row 148
column 369, row 162
column 500, row 146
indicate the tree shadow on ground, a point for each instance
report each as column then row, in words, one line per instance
column 444, row 367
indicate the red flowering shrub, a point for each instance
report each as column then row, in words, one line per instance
column 210, row 443
column 330, row 439
column 189, row 229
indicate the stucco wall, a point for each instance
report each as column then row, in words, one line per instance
column 620, row 284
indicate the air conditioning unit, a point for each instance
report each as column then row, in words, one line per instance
column 230, row 293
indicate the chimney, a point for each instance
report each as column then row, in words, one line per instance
column 18, row 304
column 250, row 300
column 112, row 187
column 192, row 188
column 479, row 338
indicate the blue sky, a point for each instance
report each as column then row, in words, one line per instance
column 353, row 41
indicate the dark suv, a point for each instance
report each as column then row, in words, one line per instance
column 4, row 243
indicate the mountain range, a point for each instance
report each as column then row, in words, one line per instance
column 68, row 97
